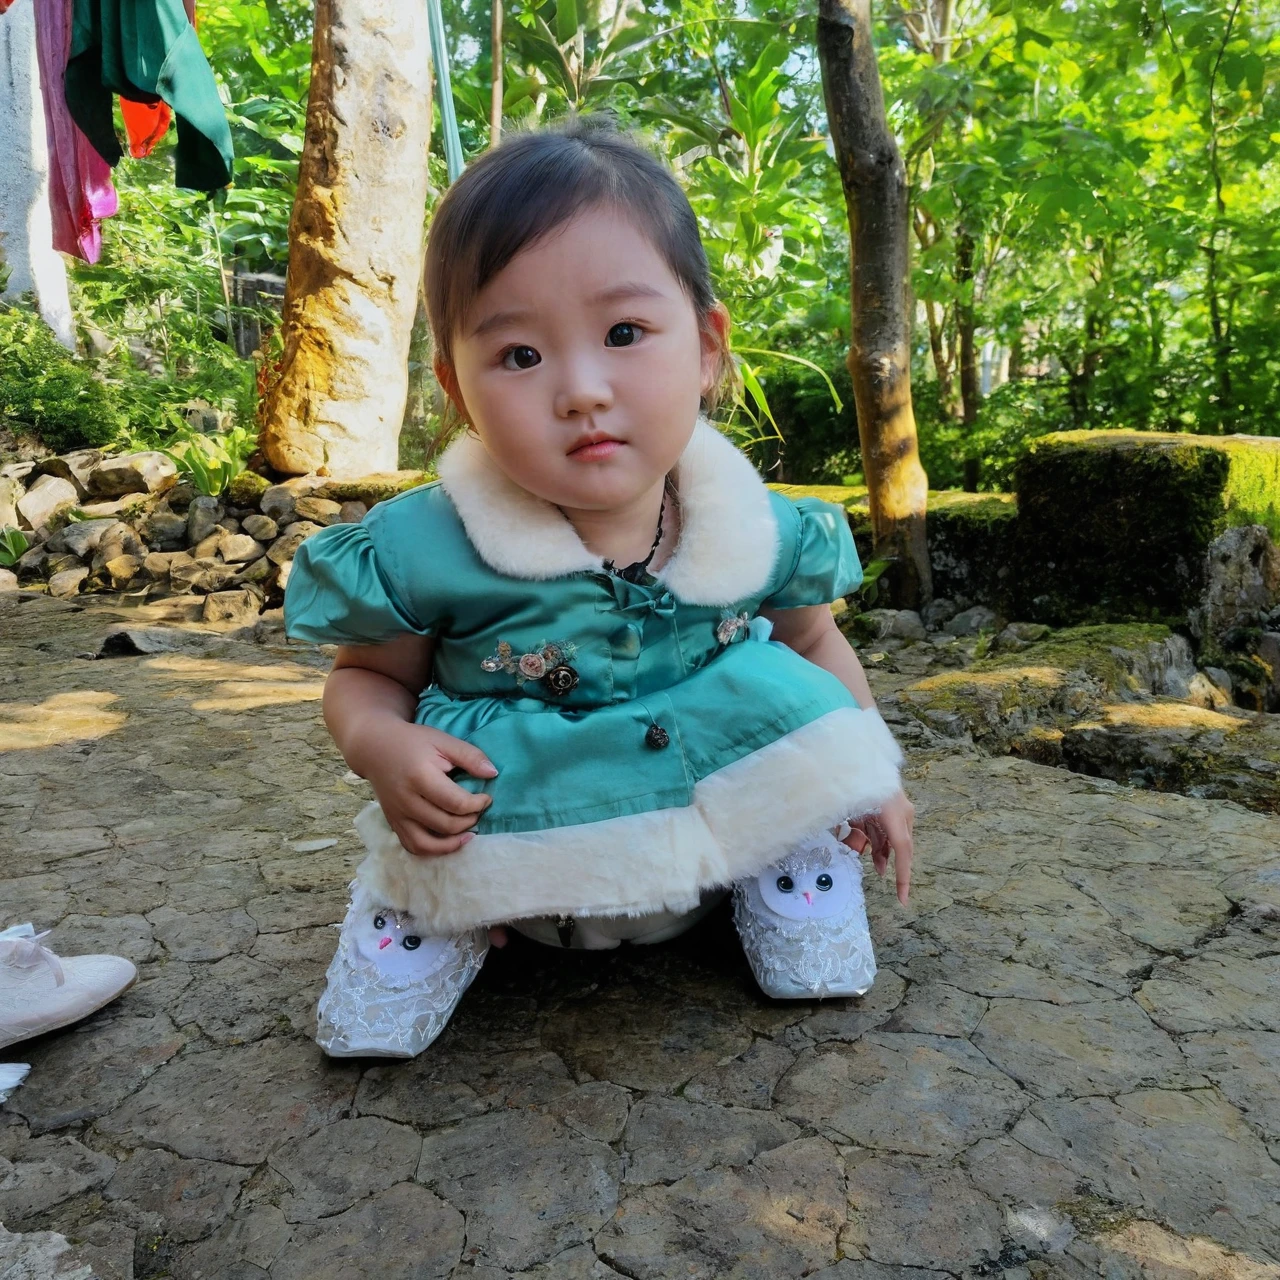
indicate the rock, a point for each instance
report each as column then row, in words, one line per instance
column 240, row 548
column 1203, row 692
column 285, row 547
column 67, row 582
column 320, row 511
column 1221, row 679
column 227, row 607
column 247, row 488
column 48, row 495
column 853, row 1092
column 1242, row 582
column 885, row 624
column 8, row 580
column 202, row 518
column 907, row 1213
column 157, row 564
column 270, row 627
column 61, row 563
column 236, row 1104
column 81, row 537
column 229, row 524
column 938, row 611
column 131, row 504
column 529, row 1186
column 49, row 1171
column 277, row 502
column 330, row 1170
column 33, row 564
column 412, row 1234
column 122, row 570
column 75, row 467
column 282, row 574
column 199, row 575
column 373, row 488
column 119, row 540
column 40, row 1255
column 1019, row 635
column 10, row 491
column 209, row 548
column 352, row 512
column 264, row 528
column 166, row 529
column 150, row 472
column 192, row 1197
column 669, row 1138
column 971, row 621
column 261, row 571
column 181, row 496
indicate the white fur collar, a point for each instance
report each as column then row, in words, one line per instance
column 728, row 537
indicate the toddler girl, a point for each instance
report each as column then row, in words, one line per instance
column 556, row 665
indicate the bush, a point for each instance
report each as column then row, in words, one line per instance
column 45, row 390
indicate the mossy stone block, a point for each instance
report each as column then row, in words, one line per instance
column 1115, row 524
column 246, row 488
column 374, row 488
column 971, row 537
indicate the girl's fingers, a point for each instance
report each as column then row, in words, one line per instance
column 467, row 757
column 857, row 840
column 434, row 818
column 441, row 790
column 423, row 843
column 898, row 831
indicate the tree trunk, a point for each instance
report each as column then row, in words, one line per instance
column 355, row 244
column 875, row 191
column 970, row 395
column 495, row 86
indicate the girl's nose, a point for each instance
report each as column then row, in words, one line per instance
column 808, row 897
column 583, row 390
column 386, row 942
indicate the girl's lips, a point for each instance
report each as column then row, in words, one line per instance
column 594, row 452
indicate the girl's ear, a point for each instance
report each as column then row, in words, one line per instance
column 713, row 333
column 448, row 381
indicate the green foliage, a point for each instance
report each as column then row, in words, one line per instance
column 211, row 463
column 13, row 546
column 45, row 390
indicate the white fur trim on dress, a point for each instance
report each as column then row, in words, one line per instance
column 743, row 817
column 728, row 534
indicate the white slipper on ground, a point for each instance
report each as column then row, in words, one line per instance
column 40, row 991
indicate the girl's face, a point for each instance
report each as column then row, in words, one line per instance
column 584, row 336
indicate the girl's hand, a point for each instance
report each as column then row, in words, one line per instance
column 891, row 828
column 408, row 766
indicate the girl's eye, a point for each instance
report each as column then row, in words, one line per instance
column 823, row 882
column 379, row 922
column 412, row 942
column 786, row 884
column 627, row 334
column 525, row 358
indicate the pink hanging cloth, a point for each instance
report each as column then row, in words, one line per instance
column 80, row 190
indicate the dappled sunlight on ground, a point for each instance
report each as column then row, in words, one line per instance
column 1163, row 1255
column 242, row 686
column 65, row 717
column 991, row 679
column 1165, row 715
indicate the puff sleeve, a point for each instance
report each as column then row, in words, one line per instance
column 824, row 562
column 339, row 592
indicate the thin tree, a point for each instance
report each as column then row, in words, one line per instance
column 874, row 181
column 495, row 87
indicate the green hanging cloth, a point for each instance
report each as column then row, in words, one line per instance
column 147, row 51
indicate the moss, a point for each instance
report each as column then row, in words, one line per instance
column 1115, row 524
column 247, row 488
column 373, row 489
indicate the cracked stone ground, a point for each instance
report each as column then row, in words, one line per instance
column 1066, row 1068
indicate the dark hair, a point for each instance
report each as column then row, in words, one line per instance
column 537, row 180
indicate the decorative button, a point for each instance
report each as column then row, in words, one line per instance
column 657, row 737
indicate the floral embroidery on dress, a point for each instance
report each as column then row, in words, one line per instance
column 548, row 663
column 730, row 625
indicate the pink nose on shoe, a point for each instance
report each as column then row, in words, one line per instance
column 808, row 897
column 383, row 943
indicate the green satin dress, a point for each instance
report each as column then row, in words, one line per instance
column 661, row 693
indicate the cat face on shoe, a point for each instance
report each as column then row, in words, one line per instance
column 392, row 941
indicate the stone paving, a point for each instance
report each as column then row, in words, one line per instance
column 1066, row 1068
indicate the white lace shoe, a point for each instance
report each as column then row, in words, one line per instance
column 390, row 991
column 803, row 924
column 40, row 991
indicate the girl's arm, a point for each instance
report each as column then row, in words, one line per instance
column 812, row 632
column 370, row 699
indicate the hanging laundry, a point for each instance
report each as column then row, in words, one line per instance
column 80, row 190
column 147, row 51
column 145, row 124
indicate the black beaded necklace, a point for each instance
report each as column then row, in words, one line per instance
column 634, row 572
